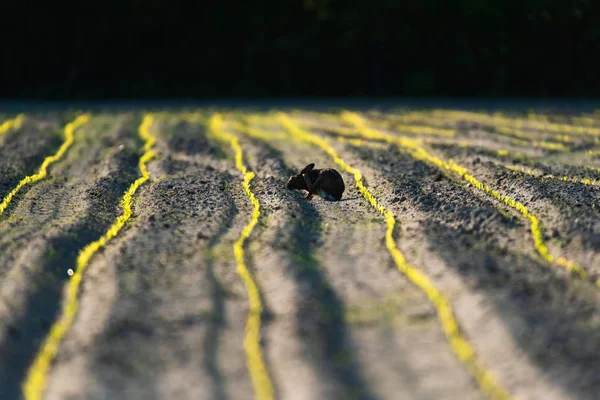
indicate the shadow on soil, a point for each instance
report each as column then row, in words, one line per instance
column 43, row 307
column 218, row 316
column 320, row 312
column 189, row 198
column 557, row 322
column 554, row 320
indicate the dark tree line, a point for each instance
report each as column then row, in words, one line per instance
column 126, row 48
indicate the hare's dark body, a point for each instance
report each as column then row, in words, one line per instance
column 326, row 183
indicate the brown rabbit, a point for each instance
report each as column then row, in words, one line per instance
column 327, row 183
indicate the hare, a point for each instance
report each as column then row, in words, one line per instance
column 326, row 183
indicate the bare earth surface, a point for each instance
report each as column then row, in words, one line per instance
column 163, row 308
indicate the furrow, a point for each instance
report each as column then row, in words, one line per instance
column 516, row 137
column 536, row 174
column 162, row 312
column 418, row 152
column 310, row 282
column 35, row 382
column 512, row 306
column 517, row 123
column 252, row 342
column 43, row 170
column 462, row 348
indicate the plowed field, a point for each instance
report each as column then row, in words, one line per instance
column 159, row 255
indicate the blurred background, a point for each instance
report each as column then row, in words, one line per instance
column 264, row 48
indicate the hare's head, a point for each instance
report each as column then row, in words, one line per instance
column 297, row 182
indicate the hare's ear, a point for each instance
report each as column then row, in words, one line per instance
column 308, row 168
